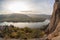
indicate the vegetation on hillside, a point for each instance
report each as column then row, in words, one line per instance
column 23, row 18
column 23, row 33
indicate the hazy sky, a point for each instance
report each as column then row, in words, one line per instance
column 26, row 6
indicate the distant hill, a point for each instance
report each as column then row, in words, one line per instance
column 40, row 16
column 23, row 18
column 13, row 17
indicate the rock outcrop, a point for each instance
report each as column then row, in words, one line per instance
column 53, row 30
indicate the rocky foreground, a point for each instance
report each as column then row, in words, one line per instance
column 53, row 31
column 23, row 39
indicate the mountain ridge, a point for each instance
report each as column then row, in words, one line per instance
column 23, row 17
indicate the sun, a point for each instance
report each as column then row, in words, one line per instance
column 16, row 7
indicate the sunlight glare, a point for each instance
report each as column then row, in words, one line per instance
column 17, row 7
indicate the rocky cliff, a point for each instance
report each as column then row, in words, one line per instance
column 53, row 31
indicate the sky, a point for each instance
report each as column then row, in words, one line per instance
column 26, row 6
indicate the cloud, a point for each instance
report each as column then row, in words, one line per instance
column 43, row 6
column 40, row 6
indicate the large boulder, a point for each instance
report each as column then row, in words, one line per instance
column 54, row 27
column 56, row 38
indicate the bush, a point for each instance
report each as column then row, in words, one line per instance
column 14, row 32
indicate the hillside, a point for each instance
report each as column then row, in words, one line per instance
column 23, row 18
column 13, row 17
column 40, row 16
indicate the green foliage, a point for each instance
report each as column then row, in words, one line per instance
column 14, row 32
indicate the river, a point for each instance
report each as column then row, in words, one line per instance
column 26, row 24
